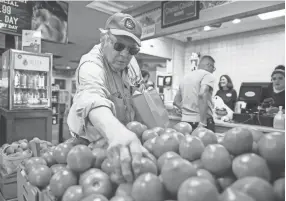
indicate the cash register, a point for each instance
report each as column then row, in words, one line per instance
column 252, row 93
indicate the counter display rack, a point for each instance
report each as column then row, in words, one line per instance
column 26, row 80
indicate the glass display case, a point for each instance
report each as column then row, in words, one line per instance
column 26, row 80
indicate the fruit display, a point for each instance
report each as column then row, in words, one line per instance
column 191, row 165
column 16, row 149
column 13, row 154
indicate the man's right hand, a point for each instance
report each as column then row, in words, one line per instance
column 125, row 151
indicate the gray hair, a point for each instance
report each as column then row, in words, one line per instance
column 104, row 34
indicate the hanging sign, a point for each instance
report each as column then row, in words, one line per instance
column 15, row 16
column 178, row 12
column 148, row 21
column 31, row 41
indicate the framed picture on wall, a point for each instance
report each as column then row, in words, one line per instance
column 61, row 83
column 73, row 87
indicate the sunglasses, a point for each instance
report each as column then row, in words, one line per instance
column 120, row 46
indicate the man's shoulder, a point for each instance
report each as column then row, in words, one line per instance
column 199, row 73
column 93, row 56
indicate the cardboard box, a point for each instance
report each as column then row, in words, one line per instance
column 3, row 199
column 27, row 192
column 8, row 185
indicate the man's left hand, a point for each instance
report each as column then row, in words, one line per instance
column 125, row 152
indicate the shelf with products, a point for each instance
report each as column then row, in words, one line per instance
column 26, row 80
column 59, row 96
column 30, row 89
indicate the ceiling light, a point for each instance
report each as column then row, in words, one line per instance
column 68, row 67
column 109, row 7
column 207, row 28
column 271, row 15
column 236, row 21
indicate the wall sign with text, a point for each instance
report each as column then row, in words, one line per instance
column 15, row 16
column 48, row 17
column 178, row 12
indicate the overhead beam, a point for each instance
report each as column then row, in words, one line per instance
column 218, row 14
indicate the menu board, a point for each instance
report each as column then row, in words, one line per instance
column 15, row 16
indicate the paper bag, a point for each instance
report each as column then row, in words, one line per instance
column 150, row 109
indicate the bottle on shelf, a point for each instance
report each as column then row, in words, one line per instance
column 23, row 80
column 42, row 79
column 36, row 97
column 279, row 120
column 18, row 97
column 30, row 97
column 43, row 94
column 25, row 98
column 15, row 97
column 17, row 79
column 36, row 81
column 30, row 80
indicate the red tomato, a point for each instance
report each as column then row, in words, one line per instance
column 79, row 158
column 40, row 176
column 61, row 151
column 148, row 187
column 95, row 181
column 73, row 193
column 61, row 181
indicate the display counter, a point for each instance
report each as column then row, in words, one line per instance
column 221, row 126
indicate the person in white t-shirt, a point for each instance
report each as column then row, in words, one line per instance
column 194, row 96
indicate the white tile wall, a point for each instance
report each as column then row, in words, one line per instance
column 245, row 57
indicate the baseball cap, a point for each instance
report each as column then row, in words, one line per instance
column 122, row 24
column 279, row 69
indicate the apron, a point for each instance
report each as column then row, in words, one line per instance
column 120, row 96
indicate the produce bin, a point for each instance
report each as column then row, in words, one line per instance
column 27, row 192
column 8, row 185
column 3, row 199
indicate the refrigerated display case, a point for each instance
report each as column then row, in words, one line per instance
column 26, row 80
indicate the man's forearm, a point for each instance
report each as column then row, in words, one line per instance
column 203, row 108
column 105, row 122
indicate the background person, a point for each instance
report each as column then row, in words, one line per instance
column 275, row 95
column 195, row 95
column 107, row 77
column 148, row 83
column 226, row 91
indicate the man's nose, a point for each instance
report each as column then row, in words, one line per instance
column 124, row 52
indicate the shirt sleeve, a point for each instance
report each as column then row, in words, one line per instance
column 209, row 80
column 92, row 92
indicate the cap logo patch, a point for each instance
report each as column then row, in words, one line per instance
column 129, row 24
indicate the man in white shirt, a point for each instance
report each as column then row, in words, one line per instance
column 107, row 76
column 195, row 95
